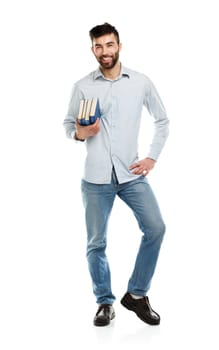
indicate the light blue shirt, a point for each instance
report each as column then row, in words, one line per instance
column 121, row 101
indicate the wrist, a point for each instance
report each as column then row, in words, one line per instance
column 151, row 159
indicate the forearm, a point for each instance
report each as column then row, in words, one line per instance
column 70, row 119
column 161, row 133
column 69, row 125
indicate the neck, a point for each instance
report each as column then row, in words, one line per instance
column 112, row 73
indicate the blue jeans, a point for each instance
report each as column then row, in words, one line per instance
column 98, row 202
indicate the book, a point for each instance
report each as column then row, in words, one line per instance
column 89, row 111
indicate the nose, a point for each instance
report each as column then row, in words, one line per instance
column 105, row 50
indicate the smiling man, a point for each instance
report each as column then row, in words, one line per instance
column 106, row 50
column 112, row 168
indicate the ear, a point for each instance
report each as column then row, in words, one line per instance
column 120, row 46
column 92, row 49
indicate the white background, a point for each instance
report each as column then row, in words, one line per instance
column 45, row 295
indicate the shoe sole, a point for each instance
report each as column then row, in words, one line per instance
column 131, row 308
column 102, row 324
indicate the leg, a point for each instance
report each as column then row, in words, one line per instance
column 139, row 197
column 98, row 201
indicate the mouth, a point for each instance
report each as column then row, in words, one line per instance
column 106, row 59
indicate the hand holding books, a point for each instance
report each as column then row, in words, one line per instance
column 89, row 111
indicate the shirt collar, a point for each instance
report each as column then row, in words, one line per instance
column 124, row 73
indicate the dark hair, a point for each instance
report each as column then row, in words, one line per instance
column 103, row 29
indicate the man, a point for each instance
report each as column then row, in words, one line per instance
column 112, row 168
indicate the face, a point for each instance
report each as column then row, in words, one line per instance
column 106, row 50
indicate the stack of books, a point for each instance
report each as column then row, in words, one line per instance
column 89, row 111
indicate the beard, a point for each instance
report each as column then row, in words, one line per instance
column 107, row 61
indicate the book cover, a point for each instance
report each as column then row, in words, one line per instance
column 89, row 111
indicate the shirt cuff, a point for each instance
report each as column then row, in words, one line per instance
column 73, row 136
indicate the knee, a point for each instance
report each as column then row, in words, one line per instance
column 95, row 247
column 162, row 229
column 155, row 231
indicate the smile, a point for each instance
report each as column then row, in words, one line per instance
column 106, row 59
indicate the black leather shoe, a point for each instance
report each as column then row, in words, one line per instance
column 104, row 315
column 142, row 309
